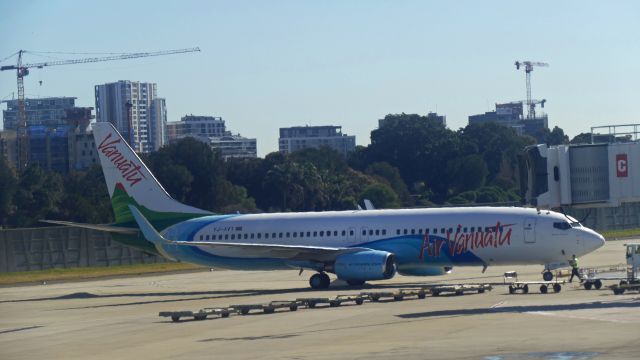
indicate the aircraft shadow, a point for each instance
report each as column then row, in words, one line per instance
column 524, row 308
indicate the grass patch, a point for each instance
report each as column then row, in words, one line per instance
column 611, row 234
column 9, row 278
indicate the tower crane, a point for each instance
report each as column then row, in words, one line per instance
column 528, row 68
column 22, row 70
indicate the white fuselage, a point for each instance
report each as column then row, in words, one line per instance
column 421, row 239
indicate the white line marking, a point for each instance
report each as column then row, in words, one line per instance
column 545, row 313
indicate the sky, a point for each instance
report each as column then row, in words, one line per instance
column 271, row 64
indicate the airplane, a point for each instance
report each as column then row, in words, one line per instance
column 354, row 245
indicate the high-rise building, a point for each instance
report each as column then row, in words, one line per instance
column 302, row 137
column 64, row 147
column 212, row 131
column 48, row 111
column 135, row 110
column 8, row 147
column 206, row 126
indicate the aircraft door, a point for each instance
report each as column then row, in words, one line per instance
column 529, row 230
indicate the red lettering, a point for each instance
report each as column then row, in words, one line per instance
column 129, row 170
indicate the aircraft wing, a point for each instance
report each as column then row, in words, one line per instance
column 278, row 251
column 107, row 228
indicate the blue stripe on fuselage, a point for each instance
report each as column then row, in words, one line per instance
column 408, row 250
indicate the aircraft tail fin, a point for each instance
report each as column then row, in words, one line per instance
column 130, row 182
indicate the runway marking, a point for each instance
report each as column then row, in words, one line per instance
column 546, row 313
column 497, row 305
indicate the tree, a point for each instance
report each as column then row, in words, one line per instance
column 381, row 195
column 37, row 197
column 582, row 138
column 467, row 173
column 8, row 183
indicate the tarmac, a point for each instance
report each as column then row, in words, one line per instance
column 118, row 319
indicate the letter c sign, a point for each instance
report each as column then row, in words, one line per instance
column 622, row 165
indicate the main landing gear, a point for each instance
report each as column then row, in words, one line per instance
column 319, row 281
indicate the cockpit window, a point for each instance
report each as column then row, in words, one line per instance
column 575, row 224
column 562, row 225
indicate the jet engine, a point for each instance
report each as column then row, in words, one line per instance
column 365, row 265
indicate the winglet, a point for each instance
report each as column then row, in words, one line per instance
column 147, row 229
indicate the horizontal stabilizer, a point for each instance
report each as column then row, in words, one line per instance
column 104, row 227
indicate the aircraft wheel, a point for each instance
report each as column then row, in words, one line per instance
column 525, row 289
column 598, row 284
column 326, row 280
column 543, row 289
column 319, row 281
column 557, row 288
column 547, row 276
column 587, row 285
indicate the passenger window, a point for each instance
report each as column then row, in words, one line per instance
column 226, row 236
column 426, row 231
column 377, row 232
column 207, row 237
column 220, row 237
column 309, row 234
column 288, row 235
column 321, row 233
column 233, row 236
column 273, row 235
column 201, row 236
column 464, row 230
column 384, row 231
column 315, row 233
column 351, row 232
column 252, row 236
column 406, row 231
column 335, row 233
column 442, row 231
column 279, row 235
column 435, row 231
column 259, row 235
column 266, row 235
column 295, row 234
column 246, row 236
column 397, row 231
column 344, row 232
column 364, row 232
column 450, row 230
column 473, row 229
column 370, row 232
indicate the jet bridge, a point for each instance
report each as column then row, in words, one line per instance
column 581, row 176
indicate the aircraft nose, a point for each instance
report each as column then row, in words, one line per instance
column 593, row 241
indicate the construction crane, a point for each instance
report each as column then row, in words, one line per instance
column 22, row 70
column 528, row 68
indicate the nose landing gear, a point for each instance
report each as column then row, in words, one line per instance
column 319, row 281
